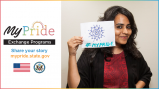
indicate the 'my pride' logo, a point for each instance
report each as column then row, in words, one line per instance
column 16, row 31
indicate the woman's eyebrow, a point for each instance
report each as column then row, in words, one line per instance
column 122, row 24
column 119, row 24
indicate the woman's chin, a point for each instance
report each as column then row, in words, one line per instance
column 121, row 43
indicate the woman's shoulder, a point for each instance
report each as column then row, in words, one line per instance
column 135, row 55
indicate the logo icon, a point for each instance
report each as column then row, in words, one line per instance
column 96, row 33
column 39, row 67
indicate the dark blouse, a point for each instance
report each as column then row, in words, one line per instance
column 92, row 74
column 115, row 72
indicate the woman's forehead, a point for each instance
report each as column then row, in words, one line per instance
column 121, row 19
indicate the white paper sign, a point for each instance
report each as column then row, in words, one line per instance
column 98, row 34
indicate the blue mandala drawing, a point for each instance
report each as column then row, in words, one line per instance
column 96, row 33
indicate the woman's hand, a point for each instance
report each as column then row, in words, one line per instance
column 140, row 84
column 73, row 44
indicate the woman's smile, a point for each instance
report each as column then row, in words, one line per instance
column 124, row 37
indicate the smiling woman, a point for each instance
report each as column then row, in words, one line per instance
column 121, row 66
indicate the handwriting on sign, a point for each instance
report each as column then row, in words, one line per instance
column 106, row 44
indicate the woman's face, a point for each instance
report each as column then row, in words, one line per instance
column 122, row 29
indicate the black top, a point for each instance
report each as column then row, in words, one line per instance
column 92, row 74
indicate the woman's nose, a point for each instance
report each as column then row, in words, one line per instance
column 125, row 30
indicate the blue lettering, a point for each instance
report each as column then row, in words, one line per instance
column 97, row 45
column 107, row 43
column 102, row 44
column 93, row 45
column 111, row 43
column 25, row 30
column 88, row 44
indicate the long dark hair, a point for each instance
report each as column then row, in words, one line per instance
column 130, row 46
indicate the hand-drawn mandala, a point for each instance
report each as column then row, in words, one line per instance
column 96, row 33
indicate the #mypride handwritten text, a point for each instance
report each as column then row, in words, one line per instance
column 106, row 44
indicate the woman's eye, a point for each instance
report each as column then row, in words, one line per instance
column 119, row 27
column 128, row 27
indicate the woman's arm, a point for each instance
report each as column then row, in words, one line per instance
column 145, row 74
column 73, row 74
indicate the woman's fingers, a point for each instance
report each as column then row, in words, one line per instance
column 77, row 41
column 73, row 44
column 77, row 38
column 76, row 44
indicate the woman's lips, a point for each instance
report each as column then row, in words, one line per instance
column 124, row 37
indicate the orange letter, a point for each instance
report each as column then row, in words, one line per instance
column 45, row 31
